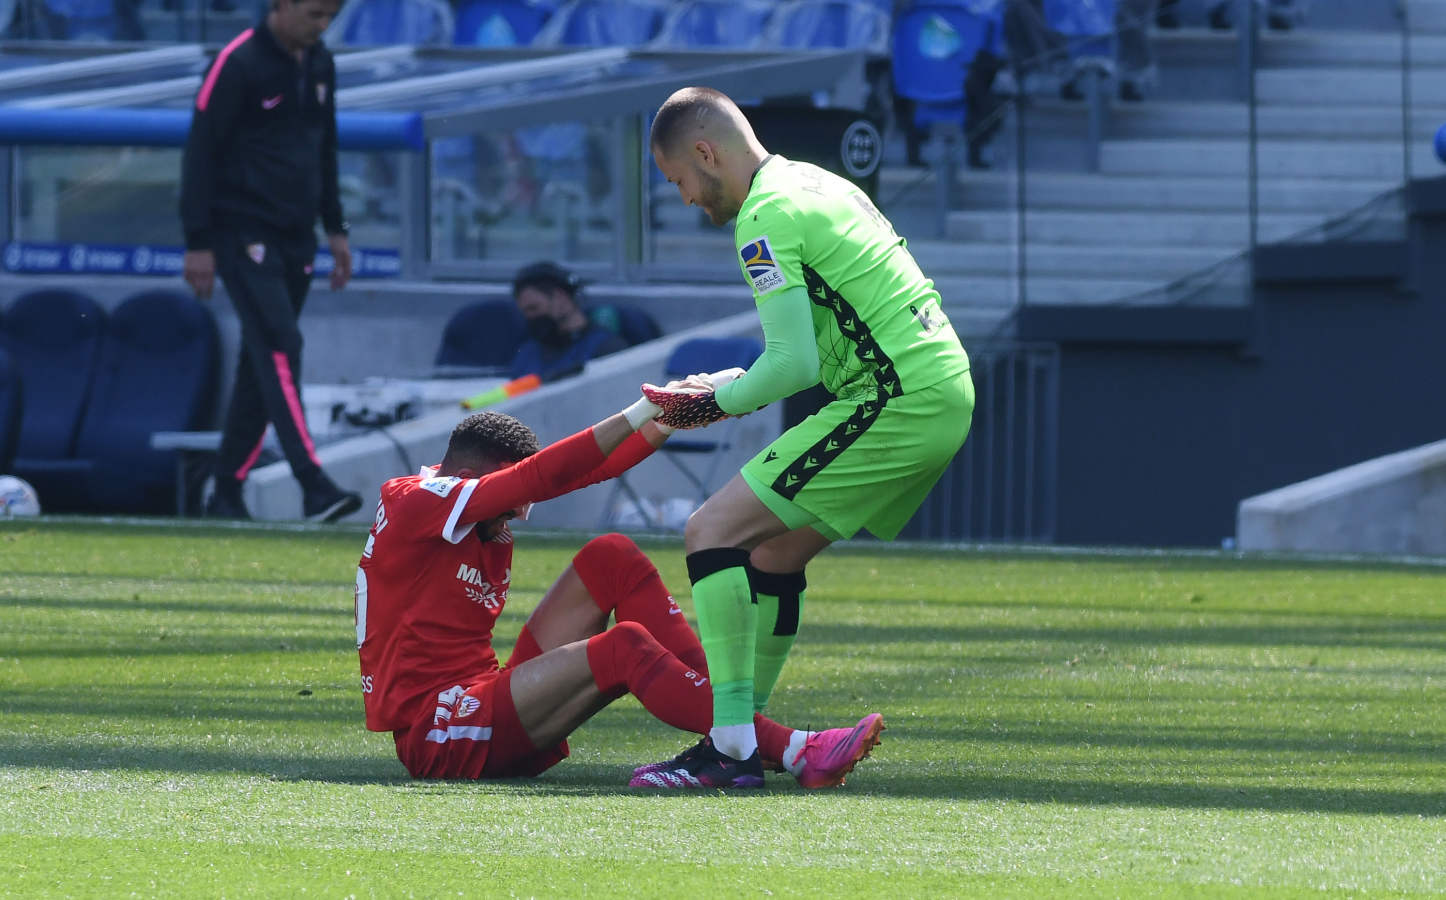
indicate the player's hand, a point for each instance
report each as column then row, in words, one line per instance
column 198, row 267
column 341, row 252
column 684, row 406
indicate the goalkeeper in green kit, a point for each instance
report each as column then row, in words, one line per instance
column 841, row 301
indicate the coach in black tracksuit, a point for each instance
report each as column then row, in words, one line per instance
column 259, row 167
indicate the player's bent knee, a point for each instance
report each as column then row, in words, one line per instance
column 604, row 550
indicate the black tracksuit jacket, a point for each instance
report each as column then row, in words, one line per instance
column 261, row 153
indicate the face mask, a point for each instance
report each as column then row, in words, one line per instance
column 544, row 330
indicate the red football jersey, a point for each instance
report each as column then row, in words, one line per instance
column 429, row 589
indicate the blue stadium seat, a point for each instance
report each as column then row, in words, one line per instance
column 11, row 406
column 482, row 336
column 499, row 23
column 635, row 325
column 1088, row 24
column 604, row 23
column 829, row 24
column 54, row 337
column 364, row 23
column 715, row 23
column 156, row 371
column 933, row 44
column 85, row 20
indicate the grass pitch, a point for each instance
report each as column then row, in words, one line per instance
column 180, row 716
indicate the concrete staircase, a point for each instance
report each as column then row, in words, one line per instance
column 1170, row 197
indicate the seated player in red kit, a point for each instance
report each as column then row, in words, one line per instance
column 433, row 579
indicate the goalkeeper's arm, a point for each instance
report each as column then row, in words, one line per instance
column 790, row 356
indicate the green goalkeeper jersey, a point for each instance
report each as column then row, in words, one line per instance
column 877, row 319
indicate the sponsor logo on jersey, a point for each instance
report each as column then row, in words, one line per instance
column 480, row 590
column 441, row 485
column 761, row 266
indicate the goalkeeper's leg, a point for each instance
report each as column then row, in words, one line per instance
column 776, row 573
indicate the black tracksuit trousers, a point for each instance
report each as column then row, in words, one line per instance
column 267, row 277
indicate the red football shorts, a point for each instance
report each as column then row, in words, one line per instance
column 474, row 733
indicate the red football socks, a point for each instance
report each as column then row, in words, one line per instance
column 626, row 655
column 624, row 582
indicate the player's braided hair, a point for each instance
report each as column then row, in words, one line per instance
column 491, row 436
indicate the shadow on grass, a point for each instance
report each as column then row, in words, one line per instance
column 1397, row 634
column 275, row 703
column 875, row 780
column 140, row 603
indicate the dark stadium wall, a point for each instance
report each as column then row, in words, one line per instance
column 1169, row 418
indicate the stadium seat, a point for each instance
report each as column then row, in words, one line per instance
column 85, row 20
column 363, row 23
column 499, row 23
column 482, row 336
column 697, row 458
column 1088, row 24
column 11, row 405
column 156, row 371
column 933, row 44
column 54, row 338
column 715, row 23
column 634, row 324
column 829, row 24
column 603, row 23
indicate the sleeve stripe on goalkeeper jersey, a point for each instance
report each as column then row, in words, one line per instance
column 449, row 530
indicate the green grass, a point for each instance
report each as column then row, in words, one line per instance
column 180, row 716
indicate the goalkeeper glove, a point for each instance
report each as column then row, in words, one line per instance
column 691, row 402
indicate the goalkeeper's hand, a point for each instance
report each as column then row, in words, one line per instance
column 690, row 402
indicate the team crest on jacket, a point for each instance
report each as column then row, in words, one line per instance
column 762, row 268
column 257, row 252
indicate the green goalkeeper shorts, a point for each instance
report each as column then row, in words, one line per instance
column 863, row 464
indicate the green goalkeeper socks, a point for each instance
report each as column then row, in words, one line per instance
column 727, row 626
column 780, row 603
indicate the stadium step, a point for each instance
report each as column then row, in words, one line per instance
column 1275, row 158
column 1426, row 17
column 1231, row 120
column 1337, row 48
column 1359, row 86
column 1066, row 190
column 1124, row 263
column 968, row 291
column 1110, row 229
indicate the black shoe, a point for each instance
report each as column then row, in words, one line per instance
column 1070, row 91
column 225, row 505
column 703, row 766
column 323, row 501
column 1278, row 21
column 1130, row 92
column 976, row 158
column 1220, row 18
column 1168, row 20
